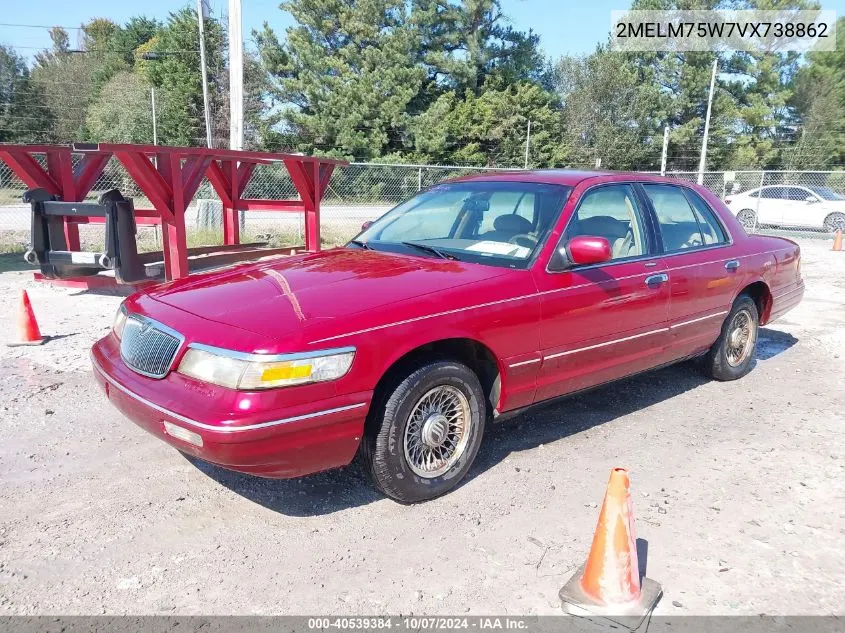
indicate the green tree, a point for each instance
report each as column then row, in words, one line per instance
column 23, row 117
column 353, row 76
column 462, row 42
column 491, row 129
column 751, row 107
column 126, row 40
column 346, row 75
column 175, row 72
column 609, row 113
column 71, row 80
column 819, row 102
column 122, row 113
column 66, row 81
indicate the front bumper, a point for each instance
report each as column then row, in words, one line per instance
column 270, row 442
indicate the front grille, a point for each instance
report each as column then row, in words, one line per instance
column 147, row 348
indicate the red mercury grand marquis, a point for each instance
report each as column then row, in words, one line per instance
column 475, row 299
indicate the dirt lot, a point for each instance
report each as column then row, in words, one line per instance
column 738, row 489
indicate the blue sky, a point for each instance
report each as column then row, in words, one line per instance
column 564, row 26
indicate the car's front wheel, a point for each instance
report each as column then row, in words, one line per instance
column 732, row 355
column 423, row 435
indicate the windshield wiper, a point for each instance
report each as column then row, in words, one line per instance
column 431, row 249
column 361, row 244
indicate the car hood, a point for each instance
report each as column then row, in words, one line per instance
column 282, row 297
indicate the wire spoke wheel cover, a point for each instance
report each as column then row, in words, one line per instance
column 740, row 338
column 747, row 219
column 437, row 431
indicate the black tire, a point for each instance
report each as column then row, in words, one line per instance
column 835, row 222
column 716, row 363
column 383, row 447
column 748, row 219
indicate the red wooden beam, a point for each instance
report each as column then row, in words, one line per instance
column 297, row 175
column 192, row 174
column 87, row 171
column 287, row 206
column 220, row 154
column 150, row 181
column 326, row 170
column 245, row 171
column 29, row 170
column 220, row 181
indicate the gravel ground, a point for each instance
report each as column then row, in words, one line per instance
column 738, row 490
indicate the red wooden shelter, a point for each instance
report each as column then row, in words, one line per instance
column 169, row 177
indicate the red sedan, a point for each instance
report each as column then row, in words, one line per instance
column 475, row 299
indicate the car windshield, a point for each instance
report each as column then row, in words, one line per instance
column 494, row 222
column 826, row 193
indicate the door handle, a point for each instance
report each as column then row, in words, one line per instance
column 732, row 264
column 653, row 280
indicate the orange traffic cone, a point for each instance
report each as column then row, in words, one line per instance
column 609, row 585
column 837, row 240
column 28, row 332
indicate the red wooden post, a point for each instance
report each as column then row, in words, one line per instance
column 174, row 239
column 60, row 168
column 314, row 226
column 231, row 226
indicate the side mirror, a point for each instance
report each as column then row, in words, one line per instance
column 582, row 250
column 366, row 225
column 811, row 199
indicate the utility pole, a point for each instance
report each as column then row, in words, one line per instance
column 236, row 76
column 702, row 162
column 527, row 144
column 665, row 150
column 153, row 106
column 201, row 22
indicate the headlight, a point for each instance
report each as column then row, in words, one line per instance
column 119, row 321
column 250, row 371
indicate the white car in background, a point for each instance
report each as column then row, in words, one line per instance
column 789, row 206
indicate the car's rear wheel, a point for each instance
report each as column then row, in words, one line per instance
column 747, row 218
column 732, row 355
column 423, row 435
column 835, row 222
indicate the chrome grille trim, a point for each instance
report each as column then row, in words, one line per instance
column 148, row 347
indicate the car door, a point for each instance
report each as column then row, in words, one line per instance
column 603, row 321
column 791, row 206
column 799, row 211
column 702, row 263
column 771, row 202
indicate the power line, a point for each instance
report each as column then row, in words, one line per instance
column 41, row 26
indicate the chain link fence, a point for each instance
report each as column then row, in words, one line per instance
column 784, row 202
column 355, row 194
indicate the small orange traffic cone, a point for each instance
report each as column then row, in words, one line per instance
column 837, row 240
column 28, row 332
column 609, row 584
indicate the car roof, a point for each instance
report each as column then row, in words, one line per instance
column 569, row 177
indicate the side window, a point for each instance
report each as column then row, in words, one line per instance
column 610, row 212
column 798, row 194
column 711, row 229
column 770, row 193
column 678, row 224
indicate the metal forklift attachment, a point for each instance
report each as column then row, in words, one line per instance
column 49, row 245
